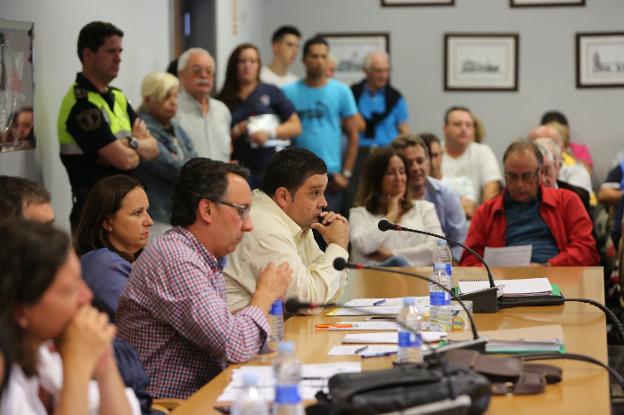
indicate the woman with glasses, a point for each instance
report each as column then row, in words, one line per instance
column 113, row 229
column 384, row 194
column 263, row 119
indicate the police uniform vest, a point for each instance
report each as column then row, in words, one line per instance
column 117, row 118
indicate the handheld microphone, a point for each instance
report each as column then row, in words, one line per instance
column 484, row 301
column 341, row 263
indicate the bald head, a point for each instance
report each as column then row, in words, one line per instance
column 377, row 69
column 545, row 131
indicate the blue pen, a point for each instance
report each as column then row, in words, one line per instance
column 380, row 302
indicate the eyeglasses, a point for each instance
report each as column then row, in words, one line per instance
column 242, row 210
column 525, row 177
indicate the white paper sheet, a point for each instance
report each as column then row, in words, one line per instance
column 509, row 256
column 363, row 325
column 520, row 287
column 370, row 351
column 314, row 378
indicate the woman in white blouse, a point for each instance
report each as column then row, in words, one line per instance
column 64, row 362
column 384, row 194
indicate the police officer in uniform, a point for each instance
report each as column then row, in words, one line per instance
column 99, row 132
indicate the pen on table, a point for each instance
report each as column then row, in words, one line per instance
column 364, row 356
column 380, row 302
column 360, row 350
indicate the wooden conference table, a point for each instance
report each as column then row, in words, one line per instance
column 584, row 389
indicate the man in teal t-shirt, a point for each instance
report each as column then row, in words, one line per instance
column 323, row 105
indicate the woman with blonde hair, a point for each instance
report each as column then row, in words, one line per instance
column 159, row 91
column 384, row 194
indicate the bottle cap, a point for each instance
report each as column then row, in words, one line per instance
column 286, row 347
column 409, row 301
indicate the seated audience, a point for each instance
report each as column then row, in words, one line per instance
column 553, row 221
column 464, row 158
column 263, row 119
column 287, row 206
column 160, row 103
column 384, row 193
column 20, row 197
column 424, row 187
column 435, row 154
column 571, row 171
column 64, row 363
column 112, row 231
column 612, row 190
column 174, row 308
column 578, row 150
column 549, row 174
column 205, row 119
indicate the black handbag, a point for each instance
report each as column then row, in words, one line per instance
column 400, row 388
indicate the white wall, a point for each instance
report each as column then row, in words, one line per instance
column 238, row 21
column 146, row 26
column 547, row 62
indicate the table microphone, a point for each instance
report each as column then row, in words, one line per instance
column 483, row 301
column 341, row 263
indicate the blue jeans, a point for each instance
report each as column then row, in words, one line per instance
column 395, row 261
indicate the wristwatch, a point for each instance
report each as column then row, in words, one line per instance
column 133, row 142
column 347, row 173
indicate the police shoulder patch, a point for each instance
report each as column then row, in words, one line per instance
column 89, row 119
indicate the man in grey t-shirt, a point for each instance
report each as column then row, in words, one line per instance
column 205, row 119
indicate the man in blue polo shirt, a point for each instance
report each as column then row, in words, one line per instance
column 323, row 104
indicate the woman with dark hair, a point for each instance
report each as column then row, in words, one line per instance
column 63, row 342
column 263, row 119
column 384, row 194
column 114, row 227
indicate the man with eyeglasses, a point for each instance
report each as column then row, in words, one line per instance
column 174, row 308
column 288, row 205
column 205, row 119
column 552, row 221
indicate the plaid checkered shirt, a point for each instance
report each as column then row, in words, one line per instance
column 174, row 312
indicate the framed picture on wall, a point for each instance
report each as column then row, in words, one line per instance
column 599, row 60
column 481, row 61
column 392, row 3
column 349, row 50
column 545, row 3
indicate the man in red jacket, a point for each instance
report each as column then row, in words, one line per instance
column 553, row 221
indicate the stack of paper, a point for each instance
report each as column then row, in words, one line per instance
column 366, row 351
column 511, row 288
column 535, row 339
column 313, row 378
column 359, row 325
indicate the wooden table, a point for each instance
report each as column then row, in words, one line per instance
column 584, row 389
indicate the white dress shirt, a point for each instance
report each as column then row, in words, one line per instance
column 277, row 238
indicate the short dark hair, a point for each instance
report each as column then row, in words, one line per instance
column 371, row 179
column 283, row 31
column 103, row 201
column 522, row 144
column 29, row 264
column 455, row 108
column 94, row 34
column 290, row 168
column 554, row 116
column 429, row 139
column 17, row 193
column 200, row 178
column 403, row 141
column 316, row 40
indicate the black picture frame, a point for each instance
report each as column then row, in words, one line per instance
column 481, row 61
column 600, row 60
column 417, row 3
column 547, row 3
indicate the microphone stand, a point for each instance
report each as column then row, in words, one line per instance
column 483, row 301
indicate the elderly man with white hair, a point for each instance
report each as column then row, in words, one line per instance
column 205, row 119
column 575, row 174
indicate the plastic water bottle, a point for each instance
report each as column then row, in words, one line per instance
column 287, row 370
column 439, row 302
column 276, row 325
column 442, row 258
column 248, row 401
column 410, row 340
